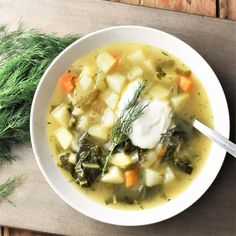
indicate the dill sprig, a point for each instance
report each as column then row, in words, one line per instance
column 24, row 56
column 123, row 126
column 7, row 187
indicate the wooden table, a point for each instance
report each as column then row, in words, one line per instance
column 43, row 13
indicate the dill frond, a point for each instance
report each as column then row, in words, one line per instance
column 24, row 56
column 123, row 126
column 7, row 187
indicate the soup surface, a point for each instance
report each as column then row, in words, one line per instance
column 119, row 125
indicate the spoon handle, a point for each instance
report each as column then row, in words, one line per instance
column 216, row 137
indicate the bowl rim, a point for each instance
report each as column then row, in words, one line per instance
column 93, row 214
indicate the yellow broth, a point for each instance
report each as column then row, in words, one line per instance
column 198, row 106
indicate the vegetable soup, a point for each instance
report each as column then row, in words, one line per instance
column 119, row 125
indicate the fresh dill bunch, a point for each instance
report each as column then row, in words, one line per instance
column 123, row 126
column 131, row 112
column 7, row 187
column 24, row 57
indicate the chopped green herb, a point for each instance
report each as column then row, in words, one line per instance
column 183, row 72
column 7, row 187
column 123, row 125
column 164, row 53
column 160, row 73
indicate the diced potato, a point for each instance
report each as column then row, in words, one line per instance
column 149, row 158
column 153, row 178
column 137, row 57
column 109, row 117
column 121, row 160
column 159, row 92
column 114, row 176
column 105, row 61
column 86, row 84
column 77, row 111
column 64, row 137
column 83, row 123
column 180, row 101
column 88, row 70
column 100, row 80
column 72, row 158
column 134, row 73
column 169, row 176
column 111, row 99
column 61, row 115
column 99, row 132
column 149, row 65
column 116, row 82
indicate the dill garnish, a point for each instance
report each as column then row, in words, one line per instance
column 7, row 187
column 24, row 56
column 123, row 126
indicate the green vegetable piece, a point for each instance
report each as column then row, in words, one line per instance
column 173, row 138
column 183, row 72
column 160, row 73
column 65, row 164
column 184, row 165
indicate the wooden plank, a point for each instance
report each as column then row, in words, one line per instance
column 21, row 232
column 227, row 9
column 38, row 207
column 201, row 7
column 6, row 231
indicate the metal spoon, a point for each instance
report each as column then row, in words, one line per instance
column 229, row 146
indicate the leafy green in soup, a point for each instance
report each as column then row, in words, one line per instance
column 119, row 125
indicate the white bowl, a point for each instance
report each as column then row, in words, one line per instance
column 38, row 124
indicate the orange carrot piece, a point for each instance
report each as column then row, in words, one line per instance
column 131, row 178
column 185, row 83
column 118, row 60
column 162, row 152
column 66, row 82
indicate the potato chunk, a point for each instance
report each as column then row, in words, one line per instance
column 109, row 117
column 152, row 177
column 86, row 83
column 149, row 158
column 121, row 160
column 116, row 82
column 61, row 115
column 111, row 99
column 136, row 57
column 105, row 61
column 159, row 92
column 135, row 73
column 169, row 176
column 99, row 132
column 114, row 176
column 64, row 137
column 180, row 101
column 149, row 66
column 88, row 70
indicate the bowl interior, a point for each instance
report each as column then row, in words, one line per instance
column 39, row 110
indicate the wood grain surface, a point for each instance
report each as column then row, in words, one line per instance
column 38, row 207
column 201, row 7
column 221, row 8
column 227, row 9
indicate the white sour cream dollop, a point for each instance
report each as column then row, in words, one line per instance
column 155, row 120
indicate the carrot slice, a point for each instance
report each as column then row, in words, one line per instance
column 118, row 60
column 185, row 83
column 131, row 178
column 162, row 152
column 67, row 82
